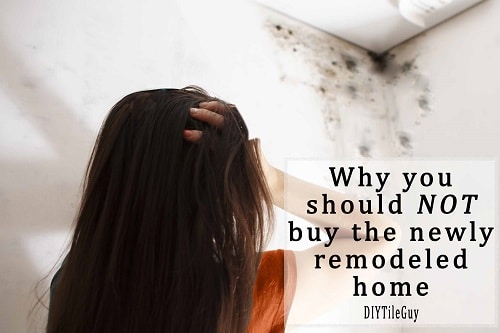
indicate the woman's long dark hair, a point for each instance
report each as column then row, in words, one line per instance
column 169, row 232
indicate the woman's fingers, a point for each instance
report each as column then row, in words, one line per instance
column 208, row 116
column 208, row 112
column 215, row 106
column 192, row 135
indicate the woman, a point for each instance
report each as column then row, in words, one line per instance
column 172, row 225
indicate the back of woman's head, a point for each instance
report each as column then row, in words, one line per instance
column 168, row 234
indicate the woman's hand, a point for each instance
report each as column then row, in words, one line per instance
column 209, row 112
column 212, row 113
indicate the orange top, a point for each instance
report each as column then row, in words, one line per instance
column 273, row 292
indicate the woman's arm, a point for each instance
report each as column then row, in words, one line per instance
column 299, row 192
column 319, row 290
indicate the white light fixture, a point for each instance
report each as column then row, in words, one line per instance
column 417, row 11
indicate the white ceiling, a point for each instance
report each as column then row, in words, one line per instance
column 376, row 25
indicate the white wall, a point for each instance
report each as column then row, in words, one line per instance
column 64, row 64
column 461, row 57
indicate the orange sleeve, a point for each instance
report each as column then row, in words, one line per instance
column 273, row 292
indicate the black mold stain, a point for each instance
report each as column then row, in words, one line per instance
column 28, row 84
column 380, row 60
column 350, row 64
column 329, row 72
column 353, row 91
column 404, row 140
column 407, row 66
column 356, row 76
column 364, row 150
column 423, row 103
